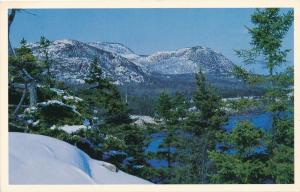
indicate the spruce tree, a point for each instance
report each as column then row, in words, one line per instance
column 237, row 159
column 24, row 58
column 201, row 127
column 108, row 97
column 164, row 114
column 46, row 60
column 170, row 113
column 24, row 70
column 95, row 76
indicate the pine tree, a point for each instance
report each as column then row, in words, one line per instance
column 23, row 72
column 24, row 59
column 237, row 159
column 270, row 27
column 43, row 49
column 164, row 106
column 170, row 113
column 113, row 122
column 108, row 97
column 117, row 109
column 202, row 127
column 95, row 76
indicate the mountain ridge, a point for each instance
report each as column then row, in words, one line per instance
column 120, row 63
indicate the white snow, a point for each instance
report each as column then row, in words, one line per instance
column 37, row 159
column 142, row 119
column 51, row 102
column 70, row 97
column 57, row 91
column 72, row 128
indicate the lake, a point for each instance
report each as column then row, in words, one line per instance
column 260, row 120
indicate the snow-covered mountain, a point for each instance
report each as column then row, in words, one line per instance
column 181, row 61
column 186, row 60
column 71, row 60
column 117, row 48
column 37, row 159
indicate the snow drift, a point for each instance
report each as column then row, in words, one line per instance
column 37, row 159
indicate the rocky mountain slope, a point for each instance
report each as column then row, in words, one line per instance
column 71, row 60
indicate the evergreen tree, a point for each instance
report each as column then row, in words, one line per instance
column 43, row 49
column 239, row 157
column 23, row 59
column 202, row 127
column 170, row 113
column 95, row 76
column 164, row 106
column 121, row 137
column 23, row 71
column 270, row 27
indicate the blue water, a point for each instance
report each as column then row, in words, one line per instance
column 157, row 139
column 262, row 121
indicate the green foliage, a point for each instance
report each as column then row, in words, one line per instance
column 164, row 106
column 15, row 95
column 58, row 106
column 95, row 76
column 170, row 114
column 46, row 60
column 57, row 114
column 248, row 77
column 245, row 105
column 209, row 115
column 201, row 126
column 44, row 94
column 105, row 96
column 237, row 160
column 281, row 165
column 23, row 59
column 233, row 170
column 193, row 132
column 270, row 27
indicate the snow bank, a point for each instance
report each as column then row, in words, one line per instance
column 36, row 159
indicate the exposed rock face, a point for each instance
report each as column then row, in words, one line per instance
column 71, row 60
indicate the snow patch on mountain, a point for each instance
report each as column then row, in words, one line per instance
column 186, row 60
column 71, row 61
column 112, row 47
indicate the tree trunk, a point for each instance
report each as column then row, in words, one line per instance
column 27, row 78
column 11, row 18
column 32, row 94
column 21, row 100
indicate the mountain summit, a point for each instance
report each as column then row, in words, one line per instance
column 72, row 59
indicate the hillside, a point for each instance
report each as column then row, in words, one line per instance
column 71, row 60
column 36, row 159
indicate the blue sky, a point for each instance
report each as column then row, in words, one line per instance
column 145, row 31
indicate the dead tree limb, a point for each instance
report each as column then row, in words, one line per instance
column 30, row 82
column 21, row 100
